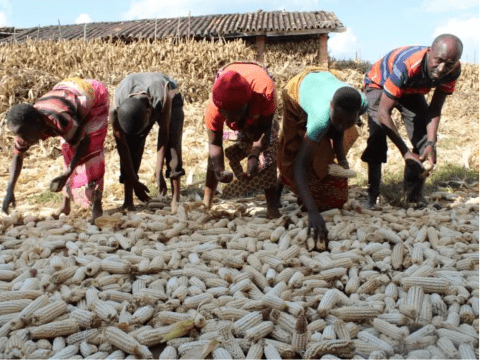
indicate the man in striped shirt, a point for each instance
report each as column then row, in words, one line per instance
column 400, row 80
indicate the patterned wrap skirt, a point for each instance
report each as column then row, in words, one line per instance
column 87, row 176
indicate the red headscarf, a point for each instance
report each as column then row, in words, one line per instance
column 231, row 91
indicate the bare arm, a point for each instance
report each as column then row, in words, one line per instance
column 263, row 132
column 339, row 151
column 434, row 112
column 265, row 125
column 59, row 182
column 302, row 163
column 433, row 120
column 385, row 109
column 15, row 170
column 215, row 147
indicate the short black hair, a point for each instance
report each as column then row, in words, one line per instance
column 131, row 114
column 348, row 98
column 22, row 115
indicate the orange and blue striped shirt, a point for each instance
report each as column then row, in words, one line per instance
column 403, row 71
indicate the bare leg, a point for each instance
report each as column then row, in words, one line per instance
column 211, row 186
column 175, row 183
column 272, row 204
column 66, row 208
column 278, row 193
column 97, row 210
column 128, row 201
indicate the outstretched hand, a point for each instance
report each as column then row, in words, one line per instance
column 252, row 168
column 58, row 183
column 316, row 223
column 429, row 154
column 7, row 200
column 141, row 191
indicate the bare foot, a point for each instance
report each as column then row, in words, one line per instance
column 97, row 209
column 96, row 213
column 64, row 209
column 174, row 205
column 128, row 207
column 272, row 212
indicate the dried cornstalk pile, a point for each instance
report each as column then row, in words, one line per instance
column 393, row 284
column 28, row 70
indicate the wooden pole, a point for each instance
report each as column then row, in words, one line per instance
column 59, row 30
column 85, row 32
column 261, row 39
column 156, row 19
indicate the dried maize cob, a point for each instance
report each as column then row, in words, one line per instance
column 328, row 302
column 429, row 285
column 432, row 237
column 355, row 313
column 105, row 311
column 259, row 331
column 447, row 346
column 66, row 353
column 466, row 351
column 389, row 329
column 284, row 320
column 117, row 354
column 397, row 256
column 221, row 353
column 86, row 318
column 87, row 349
column 372, row 339
column 337, row 170
column 54, row 329
column 342, row 348
column 195, row 301
column 271, row 352
column 412, row 339
column 364, row 348
column 246, row 322
column 169, row 353
column 13, row 306
column 285, row 350
column 256, row 351
column 126, row 343
column 64, row 275
column 274, row 302
column 49, row 312
column 457, row 337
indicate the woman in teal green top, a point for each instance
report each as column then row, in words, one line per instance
column 320, row 112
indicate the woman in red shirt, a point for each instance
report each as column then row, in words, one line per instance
column 243, row 97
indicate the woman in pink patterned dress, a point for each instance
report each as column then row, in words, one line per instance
column 76, row 110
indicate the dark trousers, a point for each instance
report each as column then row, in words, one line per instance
column 173, row 153
column 414, row 110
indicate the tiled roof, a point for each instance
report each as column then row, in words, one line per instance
column 269, row 23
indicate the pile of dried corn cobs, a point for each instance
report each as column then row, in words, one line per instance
column 393, row 284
